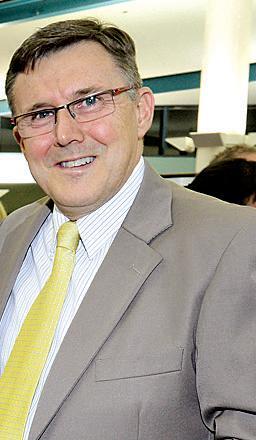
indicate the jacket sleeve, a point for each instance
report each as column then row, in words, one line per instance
column 226, row 343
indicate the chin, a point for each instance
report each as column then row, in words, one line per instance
column 74, row 204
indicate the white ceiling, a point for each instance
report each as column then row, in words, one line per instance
column 169, row 36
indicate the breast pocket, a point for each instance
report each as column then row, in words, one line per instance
column 148, row 365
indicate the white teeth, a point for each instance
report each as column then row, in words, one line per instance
column 78, row 162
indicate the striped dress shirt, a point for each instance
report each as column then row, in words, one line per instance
column 97, row 231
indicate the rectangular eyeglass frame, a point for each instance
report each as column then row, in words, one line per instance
column 114, row 92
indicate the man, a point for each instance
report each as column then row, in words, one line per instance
column 156, row 336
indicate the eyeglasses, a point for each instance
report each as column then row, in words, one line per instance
column 86, row 109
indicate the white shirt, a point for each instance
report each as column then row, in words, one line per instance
column 97, row 231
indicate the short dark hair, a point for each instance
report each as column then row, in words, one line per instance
column 232, row 180
column 59, row 35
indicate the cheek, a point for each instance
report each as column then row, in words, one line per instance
column 114, row 129
column 104, row 133
column 36, row 149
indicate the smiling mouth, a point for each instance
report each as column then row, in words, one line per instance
column 77, row 162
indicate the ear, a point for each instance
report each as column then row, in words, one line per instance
column 145, row 108
column 251, row 201
column 18, row 139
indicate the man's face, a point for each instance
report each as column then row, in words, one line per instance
column 113, row 143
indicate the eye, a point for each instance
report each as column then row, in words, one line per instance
column 88, row 104
column 42, row 114
column 90, row 101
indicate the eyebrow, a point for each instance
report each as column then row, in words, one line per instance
column 88, row 91
column 39, row 106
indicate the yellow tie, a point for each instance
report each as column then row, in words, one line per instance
column 31, row 348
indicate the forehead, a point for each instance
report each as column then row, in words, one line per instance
column 59, row 75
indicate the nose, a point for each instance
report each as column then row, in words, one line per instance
column 67, row 129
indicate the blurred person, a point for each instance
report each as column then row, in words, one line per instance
column 153, row 341
column 231, row 180
column 242, row 151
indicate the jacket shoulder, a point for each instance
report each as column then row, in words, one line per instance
column 21, row 215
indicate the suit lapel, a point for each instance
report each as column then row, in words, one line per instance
column 127, row 265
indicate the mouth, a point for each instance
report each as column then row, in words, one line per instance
column 77, row 162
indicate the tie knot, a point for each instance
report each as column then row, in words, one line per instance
column 68, row 236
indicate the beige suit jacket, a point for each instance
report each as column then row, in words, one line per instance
column 163, row 345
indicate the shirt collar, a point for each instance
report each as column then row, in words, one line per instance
column 98, row 227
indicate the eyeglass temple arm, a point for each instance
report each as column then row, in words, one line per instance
column 120, row 90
